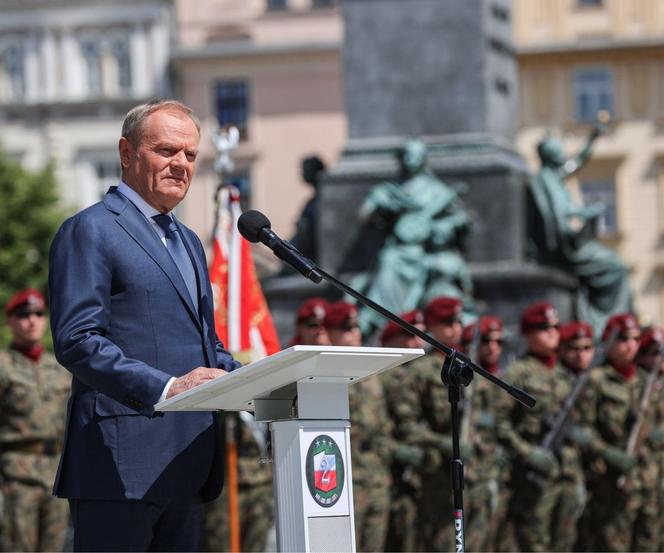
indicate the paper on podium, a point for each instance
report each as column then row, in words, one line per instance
column 275, row 376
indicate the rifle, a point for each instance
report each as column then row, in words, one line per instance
column 559, row 427
column 635, row 434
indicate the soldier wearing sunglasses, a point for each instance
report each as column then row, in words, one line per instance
column 33, row 401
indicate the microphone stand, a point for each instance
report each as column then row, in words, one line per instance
column 457, row 371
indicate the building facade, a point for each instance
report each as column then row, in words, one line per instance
column 577, row 57
column 69, row 71
column 273, row 69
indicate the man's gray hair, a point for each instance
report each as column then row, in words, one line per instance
column 132, row 127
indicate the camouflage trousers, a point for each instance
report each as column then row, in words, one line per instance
column 648, row 523
column 32, row 518
column 372, row 511
column 435, row 521
column 256, row 519
column 481, row 508
column 401, row 533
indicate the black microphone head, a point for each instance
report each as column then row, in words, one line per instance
column 251, row 223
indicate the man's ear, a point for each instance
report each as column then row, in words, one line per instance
column 126, row 150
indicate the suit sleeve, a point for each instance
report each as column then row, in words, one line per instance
column 80, row 277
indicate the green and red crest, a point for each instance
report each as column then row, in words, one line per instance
column 325, row 470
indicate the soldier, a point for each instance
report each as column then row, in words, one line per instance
column 255, row 498
column 576, row 351
column 535, row 469
column 648, row 523
column 427, row 425
column 33, row 396
column 403, row 511
column 487, row 471
column 309, row 329
column 611, row 473
column 371, row 438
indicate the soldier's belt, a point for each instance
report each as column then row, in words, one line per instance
column 35, row 447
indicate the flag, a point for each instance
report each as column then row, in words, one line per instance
column 325, row 471
column 242, row 318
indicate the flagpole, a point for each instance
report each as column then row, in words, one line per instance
column 225, row 141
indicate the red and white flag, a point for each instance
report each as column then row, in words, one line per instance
column 242, row 318
column 325, row 471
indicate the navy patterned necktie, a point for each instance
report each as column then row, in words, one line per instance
column 178, row 252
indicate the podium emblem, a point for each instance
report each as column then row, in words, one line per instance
column 325, row 470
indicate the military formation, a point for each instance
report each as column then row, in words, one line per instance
column 581, row 471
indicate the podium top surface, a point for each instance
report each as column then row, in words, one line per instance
column 274, row 377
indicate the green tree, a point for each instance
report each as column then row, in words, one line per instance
column 29, row 217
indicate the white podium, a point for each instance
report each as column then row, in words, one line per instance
column 302, row 392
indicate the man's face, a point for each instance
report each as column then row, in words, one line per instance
column 161, row 165
column 490, row 348
column 651, row 358
column 624, row 347
column 27, row 329
column 544, row 340
column 402, row 340
column 447, row 332
column 346, row 335
column 312, row 333
column 578, row 354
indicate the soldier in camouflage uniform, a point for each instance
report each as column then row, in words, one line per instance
column 402, row 534
column 535, row 470
column 487, row 471
column 612, row 476
column 33, row 399
column 371, row 440
column 427, row 425
column 576, row 352
column 255, row 496
column 648, row 525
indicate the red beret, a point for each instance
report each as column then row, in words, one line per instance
column 652, row 335
column 575, row 330
column 619, row 323
column 392, row 329
column 313, row 308
column 442, row 309
column 489, row 324
column 30, row 297
column 340, row 314
column 536, row 315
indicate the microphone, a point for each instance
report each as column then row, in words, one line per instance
column 256, row 227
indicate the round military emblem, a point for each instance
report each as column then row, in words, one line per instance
column 325, row 470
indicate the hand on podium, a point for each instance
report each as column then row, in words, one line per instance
column 193, row 378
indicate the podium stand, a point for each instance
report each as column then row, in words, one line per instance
column 302, row 392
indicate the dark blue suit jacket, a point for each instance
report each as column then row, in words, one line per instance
column 124, row 323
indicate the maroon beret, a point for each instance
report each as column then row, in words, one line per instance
column 575, row 330
column 442, row 309
column 340, row 314
column 32, row 299
column 619, row 323
column 313, row 308
column 392, row 329
column 652, row 335
column 490, row 324
column 537, row 315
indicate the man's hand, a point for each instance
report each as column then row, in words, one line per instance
column 193, row 378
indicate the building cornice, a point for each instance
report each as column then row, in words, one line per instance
column 600, row 44
column 235, row 49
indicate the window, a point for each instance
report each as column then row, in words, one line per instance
column 107, row 171
column 323, row 3
column 589, row 3
column 120, row 55
column 603, row 191
column 92, row 67
column 593, row 91
column 275, row 5
column 231, row 98
column 12, row 64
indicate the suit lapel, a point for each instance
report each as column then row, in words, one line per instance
column 139, row 229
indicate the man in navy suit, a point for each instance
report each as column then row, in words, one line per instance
column 132, row 320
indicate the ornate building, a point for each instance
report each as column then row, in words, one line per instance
column 69, row 71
